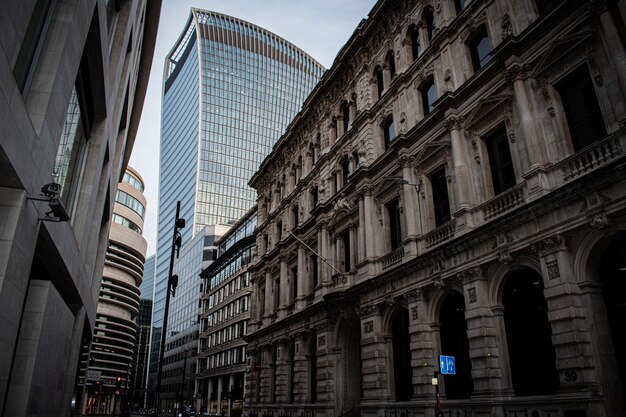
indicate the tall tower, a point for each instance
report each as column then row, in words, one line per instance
column 230, row 89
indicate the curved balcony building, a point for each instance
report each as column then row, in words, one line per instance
column 115, row 331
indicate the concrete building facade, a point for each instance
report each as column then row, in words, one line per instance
column 73, row 77
column 142, row 394
column 224, row 317
column 462, row 193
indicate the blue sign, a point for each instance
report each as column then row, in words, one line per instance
column 446, row 365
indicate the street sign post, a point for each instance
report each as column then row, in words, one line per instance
column 447, row 365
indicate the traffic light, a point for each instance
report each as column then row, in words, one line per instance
column 118, row 385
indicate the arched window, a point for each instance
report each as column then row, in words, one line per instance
column 391, row 63
column 380, row 83
column 429, row 95
column 454, row 342
column 388, row 132
column 528, row 334
column 345, row 110
column 414, row 37
column 429, row 20
column 402, row 371
column 480, row 49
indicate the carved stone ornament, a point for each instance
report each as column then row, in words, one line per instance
column 368, row 326
column 414, row 313
column 471, row 274
column 454, row 123
column 438, row 282
column 414, row 295
column 549, row 245
column 367, row 310
column 553, row 269
column 472, row 297
column 505, row 24
column 489, row 111
column 321, row 341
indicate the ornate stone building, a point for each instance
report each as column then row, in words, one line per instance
column 454, row 185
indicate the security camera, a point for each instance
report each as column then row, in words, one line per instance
column 51, row 189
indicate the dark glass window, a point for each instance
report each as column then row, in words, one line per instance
column 459, row 5
column 380, row 82
column 345, row 170
column 346, row 117
column 345, row 239
column 294, row 282
column 389, row 132
column 430, row 22
column 31, row 41
column 480, row 49
column 276, row 293
column 279, row 229
column 429, row 95
column 402, row 369
column 395, row 230
column 295, row 212
column 500, row 162
column 391, row 61
column 441, row 200
column 582, row 109
column 415, row 43
column 528, row 334
column 314, row 197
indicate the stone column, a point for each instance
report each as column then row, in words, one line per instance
column 375, row 352
column 231, row 385
column 612, row 41
column 208, row 394
column 339, row 126
column 268, row 297
column 386, row 77
column 571, row 335
column 410, row 203
column 424, row 361
column 333, row 131
column 220, row 390
column 302, row 278
column 483, row 333
column 282, row 372
column 535, row 155
column 362, row 227
column 460, row 160
column 283, row 295
column 292, row 182
column 301, row 365
column 325, row 250
column 371, row 229
column 352, row 109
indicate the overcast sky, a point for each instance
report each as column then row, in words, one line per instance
column 318, row 27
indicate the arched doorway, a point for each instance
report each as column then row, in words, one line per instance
column 454, row 342
column 528, row 334
column 351, row 365
column 402, row 371
column 613, row 279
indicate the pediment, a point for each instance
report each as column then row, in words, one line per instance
column 560, row 51
column 485, row 109
column 430, row 150
column 341, row 209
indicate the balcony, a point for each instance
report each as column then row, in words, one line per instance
column 592, row 157
column 440, row 235
column 503, row 203
column 392, row 258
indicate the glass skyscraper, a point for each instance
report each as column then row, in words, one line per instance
column 230, row 89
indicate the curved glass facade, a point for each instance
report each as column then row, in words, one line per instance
column 230, row 90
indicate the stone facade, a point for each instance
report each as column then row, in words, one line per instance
column 454, row 185
column 73, row 76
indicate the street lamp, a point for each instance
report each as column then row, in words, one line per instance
column 172, row 282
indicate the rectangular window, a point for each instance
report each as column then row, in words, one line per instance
column 345, row 240
column 294, row 213
column 294, row 282
column 276, row 293
column 395, row 231
column 314, row 274
column 441, row 202
column 429, row 95
column 500, row 162
column 582, row 109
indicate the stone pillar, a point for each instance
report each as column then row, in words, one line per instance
column 423, row 357
column 302, row 279
column 283, row 296
column 325, row 250
column 328, row 358
column 220, row 390
column 460, row 160
column 209, row 392
column 375, row 352
column 292, row 181
column 301, row 368
column 282, row 372
column 409, row 191
column 268, row 298
column 371, row 229
column 535, row 155
column 483, row 333
column 339, row 126
column 231, row 386
column 613, row 42
column 333, row 131
column 352, row 109
column 571, row 335
column 386, row 77
column 362, row 243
